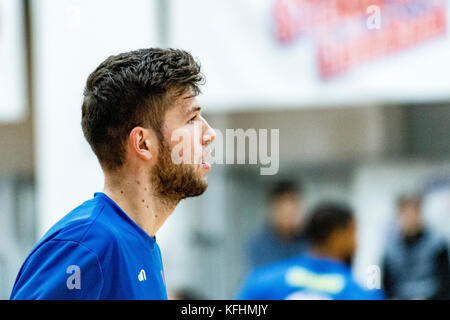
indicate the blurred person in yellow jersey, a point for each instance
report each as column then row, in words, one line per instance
column 323, row 272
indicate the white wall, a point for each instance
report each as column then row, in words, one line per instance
column 70, row 39
column 13, row 101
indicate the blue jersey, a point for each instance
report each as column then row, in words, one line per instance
column 94, row 252
column 304, row 278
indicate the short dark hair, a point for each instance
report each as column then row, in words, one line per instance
column 284, row 187
column 134, row 89
column 325, row 219
column 409, row 199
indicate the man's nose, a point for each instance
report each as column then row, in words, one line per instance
column 209, row 134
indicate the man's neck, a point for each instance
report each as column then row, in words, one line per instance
column 326, row 253
column 137, row 199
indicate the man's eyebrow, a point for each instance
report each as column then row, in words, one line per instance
column 189, row 96
column 193, row 110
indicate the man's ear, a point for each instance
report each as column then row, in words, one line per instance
column 141, row 143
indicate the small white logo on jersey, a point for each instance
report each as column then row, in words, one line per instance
column 141, row 276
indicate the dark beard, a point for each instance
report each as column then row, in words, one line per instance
column 174, row 183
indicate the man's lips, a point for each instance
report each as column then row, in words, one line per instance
column 206, row 166
column 206, row 155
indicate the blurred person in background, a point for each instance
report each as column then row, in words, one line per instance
column 185, row 293
column 106, row 248
column 281, row 236
column 323, row 272
column 416, row 261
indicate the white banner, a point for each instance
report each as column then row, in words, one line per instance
column 302, row 53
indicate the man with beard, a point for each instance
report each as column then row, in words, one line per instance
column 323, row 273
column 134, row 105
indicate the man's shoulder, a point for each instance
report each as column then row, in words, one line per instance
column 355, row 290
column 435, row 239
column 88, row 225
column 263, row 280
column 274, row 271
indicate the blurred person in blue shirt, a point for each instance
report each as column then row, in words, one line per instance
column 416, row 261
column 282, row 236
column 322, row 273
column 106, row 248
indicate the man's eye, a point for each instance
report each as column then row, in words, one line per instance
column 192, row 119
